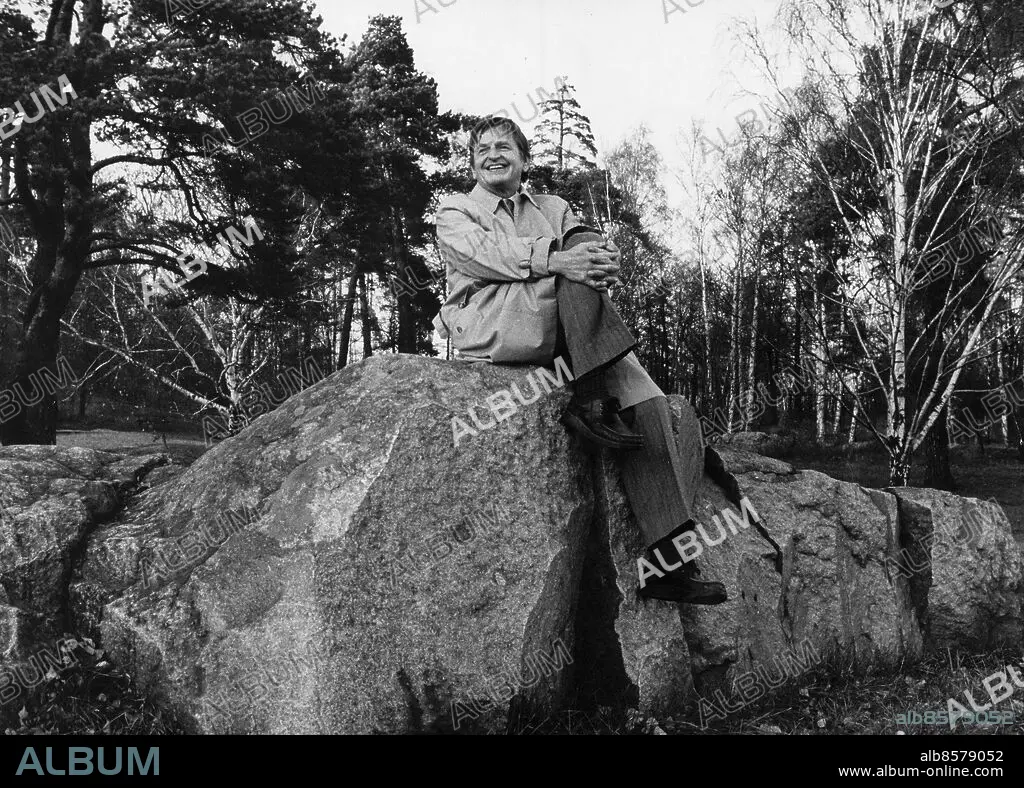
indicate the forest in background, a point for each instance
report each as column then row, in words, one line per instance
column 193, row 207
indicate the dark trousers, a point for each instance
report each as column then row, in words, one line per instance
column 590, row 331
column 661, row 479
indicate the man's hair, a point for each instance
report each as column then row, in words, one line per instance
column 503, row 125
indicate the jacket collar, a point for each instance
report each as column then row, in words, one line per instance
column 492, row 201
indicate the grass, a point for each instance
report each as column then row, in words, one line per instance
column 90, row 695
column 828, row 701
column 831, row 700
column 183, row 449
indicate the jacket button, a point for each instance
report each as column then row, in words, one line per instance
column 458, row 330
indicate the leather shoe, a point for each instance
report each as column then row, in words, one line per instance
column 597, row 422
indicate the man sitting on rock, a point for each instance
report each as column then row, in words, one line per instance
column 528, row 283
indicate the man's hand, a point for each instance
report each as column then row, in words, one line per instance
column 590, row 264
column 610, row 246
column 613, row 250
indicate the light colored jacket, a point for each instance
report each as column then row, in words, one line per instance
column 501, row 305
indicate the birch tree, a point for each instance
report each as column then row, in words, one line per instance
column 891, row 88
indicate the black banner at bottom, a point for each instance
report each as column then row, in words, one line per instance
column 145, row 759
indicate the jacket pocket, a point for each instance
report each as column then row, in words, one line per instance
column 472, row 331
column 475, row 288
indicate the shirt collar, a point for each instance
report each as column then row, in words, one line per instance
column 492, row 201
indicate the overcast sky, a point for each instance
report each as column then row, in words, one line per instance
column 629, row 63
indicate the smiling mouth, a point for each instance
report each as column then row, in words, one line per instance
column 495, row 167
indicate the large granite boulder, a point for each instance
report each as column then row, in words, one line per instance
column 422, row 554
column 418, row 545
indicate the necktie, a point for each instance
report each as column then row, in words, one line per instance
column 510, row 207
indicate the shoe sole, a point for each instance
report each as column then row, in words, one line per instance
column 581, row 428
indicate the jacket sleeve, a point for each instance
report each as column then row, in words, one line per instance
column 479, row 251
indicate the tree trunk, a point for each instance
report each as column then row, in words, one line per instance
column 664, row 366
column 897, row 404
column 36, row 419
column 1004, row 421
column 364, row 305
column 408, row 340
column 346, row 321
column 561, row 137
column 734, row 338
column 837, row 419
column 821, row 342
column 6, row 272
column 794, row 402
column 61, row 215
column 334, row 334
column 708, row 403
column 899, row 471
column 83, row 396
column 938, row 473
column 851, row 434
column 748, row 406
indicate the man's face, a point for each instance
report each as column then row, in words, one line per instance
column 497, row 163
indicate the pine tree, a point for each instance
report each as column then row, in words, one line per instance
column 396, row 106
column 230, row 126
column 563, row 128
